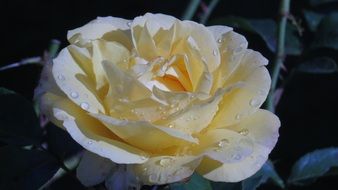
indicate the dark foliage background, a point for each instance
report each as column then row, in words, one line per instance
column 308, row 108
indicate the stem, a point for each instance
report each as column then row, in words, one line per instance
column 27, row 61
column 207, row 14
column 284, row 11
column 190, row 10
column 53, row 48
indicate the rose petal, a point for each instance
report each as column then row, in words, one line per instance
column 166, row 169
column 96, row 29
column 75, row 83
column 232, row 48
column 218, row 31
column 93, row 169
column 112, row 52
column 157, row 137
column 262, row 128
column 90, row 133
column 244, row 101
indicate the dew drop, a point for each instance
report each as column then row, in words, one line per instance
column 128, row 24
column 143, row 157
column 84, row 105
column 244, row 132
column 170, row 125
column 133, row 111
column 236, row 156
column 61, row 77
column 214, row 52
column 223, row 142
column 219, row 40
column 172, row 106
column 90, row 142
column 153, row 178
column 165, row 162
column 238, row 116
column 74, row 95
column 145, row 169
column 254, row 102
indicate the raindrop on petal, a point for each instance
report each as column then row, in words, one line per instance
column 61, row 77
column 254, row 102
column 84, row 105
column 74, row 95
column 244, row 132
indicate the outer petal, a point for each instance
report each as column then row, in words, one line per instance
column 244, row 101
column 75, row 83
column 218, row 31
column 93, row 169
column 90, row 133
column 262, row 128
column 157, row 137
column 166, row 169
column 96, row 29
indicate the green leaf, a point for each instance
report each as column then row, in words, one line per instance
column 312, row 19
column 314, row 165
column 196, row 182
column 267, row 30
column 320, row 2
column 319, row 65
column 262, row 176
column 25, row 169
column 327, row 33
column 19, row 124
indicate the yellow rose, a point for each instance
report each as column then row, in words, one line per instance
column 167, row 97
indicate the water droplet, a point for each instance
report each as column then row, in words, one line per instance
column 165, row 162
column 254, row 102
column 244, row 132
column 61, row 77
column 143, row 157
column 160, row 108
column 133, row 111
column 145, row 169
column 171, row 105
column 177, row 108
column 90, row 142
column 128, row 24
column 220, row 40
column 153, row 178
column 74, row 95
column 223, row 142
column 236, row 156
column 84, row 105
column 192, row 96
column 214, row 52
column 123, row 100
column 125, row 60
column 170, row 125
column 238, row 116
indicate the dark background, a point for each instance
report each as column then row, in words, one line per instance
column 309, row 106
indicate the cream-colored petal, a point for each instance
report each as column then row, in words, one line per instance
column 90, row 133
column 112, row 52
column 244, row 101
column 75, row 83
column 218, row 31
column 96, row 29
column 93, row 169
column 197, row 116
column 204, row 41
column 262, row 129
column 166, row 169
column 232, row 47
column 145, row 135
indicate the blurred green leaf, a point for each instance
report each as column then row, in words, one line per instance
column 19, row 124
column 25, row 169
column 196, row 182
column 262, row 176
column 327, row 33
column 320, row 65
column 319, row 2
column 312, row 19
column 267, row 30
column 314, row 165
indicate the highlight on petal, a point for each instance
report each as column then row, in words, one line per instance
column 261, row 130
column 218, row 31
column 166, row 169
column 93, row 169
column 96, row 29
